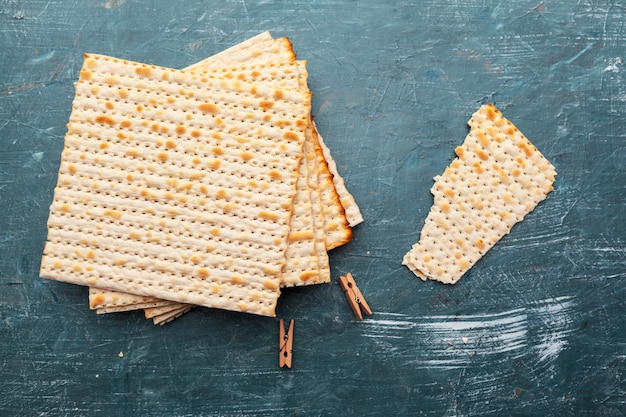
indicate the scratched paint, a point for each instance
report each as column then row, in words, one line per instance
column 536, row 333
column 535, row 328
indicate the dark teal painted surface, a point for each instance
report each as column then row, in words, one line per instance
column 542, row 315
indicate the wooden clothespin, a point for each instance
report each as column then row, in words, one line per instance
column 286, row 344
column 354, row 296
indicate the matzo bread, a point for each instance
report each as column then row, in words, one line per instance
column 171, row 315
column 301, row 258
column 152, row 312
column 497, row 178
column 336, row 228
column 160, row 205
column 111, row 300
column 132, row 307
column 352, row 211
column 262, row 50
column 286, row 75
column 302, row 254
column 306, row 258
column 317, row 212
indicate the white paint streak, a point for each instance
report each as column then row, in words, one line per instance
column 550, row 346
column 613, row 65
column 557, row 324
column 37, row 156
column 538, row 333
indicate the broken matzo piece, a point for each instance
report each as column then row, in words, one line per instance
column 497, row 178
column 189, row 144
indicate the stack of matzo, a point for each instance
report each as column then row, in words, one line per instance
column 497, row 178
column 207, row 186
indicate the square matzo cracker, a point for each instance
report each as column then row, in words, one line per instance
column 306, row 258
column 195, row 139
